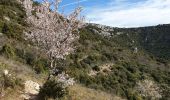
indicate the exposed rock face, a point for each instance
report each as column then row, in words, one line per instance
column 31, row 90
column 104, row 30
column 148, row 88
column 32, row 87
column 103, row 27
column 105, row 33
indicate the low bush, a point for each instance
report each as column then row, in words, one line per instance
column 40, row 65
column 8, row 50
column 9, row 81
column 52, row 89
column 96, row 68
column 12, row 30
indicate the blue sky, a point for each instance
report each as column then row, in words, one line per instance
column 123, row 13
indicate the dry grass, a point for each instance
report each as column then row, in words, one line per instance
column 79, row 92
column 20, row 71
column 76, row 92
column 12, row 94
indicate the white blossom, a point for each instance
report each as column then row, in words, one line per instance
column 52, row 32
column 65, row 79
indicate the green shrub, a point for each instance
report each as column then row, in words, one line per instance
column 12, row 30
column 15, row 31
column 52, row 89
column 40, row 66
column 96, row 68
column 8, row 50
column 9, row 3
column 131, row 95
column 5, row 29
column 38, row 63
column 8, row 81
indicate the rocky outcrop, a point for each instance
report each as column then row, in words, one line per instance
column 103, row 27
column 148, row 88
column 31, row 90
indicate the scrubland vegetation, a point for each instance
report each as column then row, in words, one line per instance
column 129, row 67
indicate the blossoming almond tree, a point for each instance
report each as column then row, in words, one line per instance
column 51, row 31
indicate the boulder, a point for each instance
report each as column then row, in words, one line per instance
column 31, row 87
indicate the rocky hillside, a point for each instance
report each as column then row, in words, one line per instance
column 117, row 59
column 114, row 63
column 154, row 39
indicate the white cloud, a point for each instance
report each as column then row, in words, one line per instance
column 144, row 13
column 73, row 3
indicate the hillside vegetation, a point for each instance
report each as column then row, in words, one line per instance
column 124, row 66
column 114, row 63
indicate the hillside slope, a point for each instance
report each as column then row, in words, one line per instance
column 116, row 60
column 24, row 73
column 131, row 63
